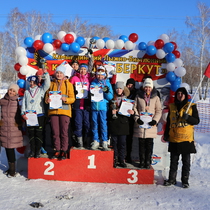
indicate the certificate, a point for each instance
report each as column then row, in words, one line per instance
column 126, row 105
column 96, row 93
column 56, row 102
column 82, row 90
column 146, row 117
column 32, row 118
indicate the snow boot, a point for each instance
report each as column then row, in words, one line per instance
column 56, row 154
column 185, row 183
column 105, row 146
column 11, row 171
column 63, row 155
column 94, row 145
column 169, row 182
column 79, row 142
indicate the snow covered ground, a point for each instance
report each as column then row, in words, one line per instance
column 18, row 192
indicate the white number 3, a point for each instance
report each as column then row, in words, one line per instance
column 134, row 176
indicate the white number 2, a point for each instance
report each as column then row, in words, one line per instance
column 47, row 170
column 92, row 162
column 134, row 176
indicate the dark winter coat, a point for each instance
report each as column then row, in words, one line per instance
column 10, row 126
column 119, row 126
column 184, row 147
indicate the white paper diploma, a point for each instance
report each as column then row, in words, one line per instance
column 56, row 102
column 32, row 118
column 146, row 117
column 126, row 105
column 97, row 93
column 82, row 89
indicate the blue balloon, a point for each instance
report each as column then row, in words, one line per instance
column 65, row 47
column 151, row 50
column 106, row 39
column 175, row 86
column 28, row 41
column 178, row 80
column 21, row 83
column 170, row 57
column 142, row 46
column 168, row 47
column 80, row 40
column 47, row 38
column 74, row 47
column 124, row 38
column 170, row 76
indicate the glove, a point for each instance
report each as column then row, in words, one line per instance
column 165, row 138
column 185, row 116
column 90, row 51
column 140, row 122
column 153, row 122
column 91, row 94
column 113, row 72
column 76, row 92
column 106, row 89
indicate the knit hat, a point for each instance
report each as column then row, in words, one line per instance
column 74, row 61
column 33, row 78
column 119, row 85
column 130, row 81
column 83, row 65
column 61, row 67
column 15, row 87
column 148, row 83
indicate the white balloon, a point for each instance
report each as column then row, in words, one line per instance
column 110, row 44
column 180, row 71
column 100, row 43
column 87, row 42
column 186, row 86
column 129, row 45
column 61, row 35
column 178, row 62
column 151, row 43
column 19, row 51
column 23, row 60
column 164, row 116
column 48, row 48
column 135, row 46
column 164, row 37
column 119, row 44
column 38, row 37
column 24, row 70
column 170, row 66
column 73, row 34
column 160, row 54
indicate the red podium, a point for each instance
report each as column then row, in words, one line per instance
column 87, row 166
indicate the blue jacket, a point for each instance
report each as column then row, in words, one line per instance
column 102, row 105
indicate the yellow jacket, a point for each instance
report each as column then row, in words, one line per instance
column 66, row 91
column 180, row 130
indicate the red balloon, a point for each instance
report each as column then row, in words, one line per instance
column 175, row 45
column 57, row 43
column 69, row 38
column 38, row 45
column 176, row 53
column 189, row 97
column 17, row 66
column 21, row 91
column 133, row 37
column 159, row 43
column 20, row 76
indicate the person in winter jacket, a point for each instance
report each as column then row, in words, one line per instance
column 179, row 132
column 81, row 107
column 60, row 118
column 10, row 127
column 99, row 110
column 119, row 124
column 33, row 99
column 146, row 101
column 130, row 84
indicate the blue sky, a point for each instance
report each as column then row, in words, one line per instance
column 149, row 19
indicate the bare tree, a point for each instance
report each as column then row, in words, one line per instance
column 200, row 35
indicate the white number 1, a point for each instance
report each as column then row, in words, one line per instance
column 92, row 162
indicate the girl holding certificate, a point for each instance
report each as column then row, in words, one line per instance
column 119, row 124
column 147, row 108
column 33, row 112
column 10, row 126
column 60, row 96
column 81, row 106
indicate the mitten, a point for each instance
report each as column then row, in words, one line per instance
column 106, row 89
column 140, row 122
column 185, row 116
column 153, row 122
